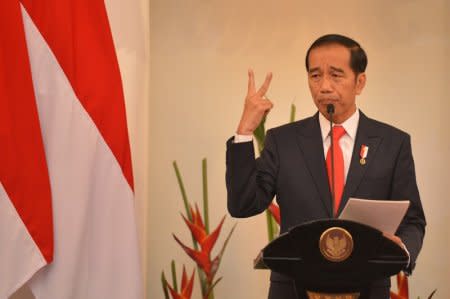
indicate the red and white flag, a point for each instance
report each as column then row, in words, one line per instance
column 66, row 196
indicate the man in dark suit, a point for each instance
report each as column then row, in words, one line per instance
column 293, row 164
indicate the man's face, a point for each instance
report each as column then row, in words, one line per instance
column 332, row 81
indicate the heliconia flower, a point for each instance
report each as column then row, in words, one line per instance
column 186, row 286
column 199, row 231
column 206, row 241
column 275, row 211
column 196, row 216
column 402, row 286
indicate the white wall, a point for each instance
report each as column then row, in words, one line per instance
column 200, row 51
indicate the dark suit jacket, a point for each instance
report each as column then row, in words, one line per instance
column 292, row 167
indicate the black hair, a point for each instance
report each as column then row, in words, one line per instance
column 358, row 57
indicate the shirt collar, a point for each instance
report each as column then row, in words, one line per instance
column 350, row 125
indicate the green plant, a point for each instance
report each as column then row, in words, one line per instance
column 202, row 244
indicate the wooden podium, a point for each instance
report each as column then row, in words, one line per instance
column 332, row 258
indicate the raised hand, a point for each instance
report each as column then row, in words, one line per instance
column 256, row 105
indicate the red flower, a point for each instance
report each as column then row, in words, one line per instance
column 275, row 211
column 206, row 241
column 186, row 287
column 402, row 286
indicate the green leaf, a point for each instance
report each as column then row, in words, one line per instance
column 260, row 134
column 174, row 276
column 210, row 294
column 219, row 256
column 274, row 225
column 203, row 280
column 164, row 285
column 432, row 294
column 292, row 116
column 205, row 194
column 183, row 191
column 270, row 230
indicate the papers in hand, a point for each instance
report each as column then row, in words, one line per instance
column 384, row 215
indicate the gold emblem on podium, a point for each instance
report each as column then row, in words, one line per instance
column 336, row 244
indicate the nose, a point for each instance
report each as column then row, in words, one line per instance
column 326, row 85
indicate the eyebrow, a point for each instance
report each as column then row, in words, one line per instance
column 336, row 69
column 333, row 68
column 313, row 70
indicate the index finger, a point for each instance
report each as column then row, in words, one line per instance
column 263, row 89
column 251, row 82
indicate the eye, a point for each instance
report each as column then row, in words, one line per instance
column 314, row 76
column 336, row 76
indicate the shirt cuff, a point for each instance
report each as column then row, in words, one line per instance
column 409, row 256
column 242, row 138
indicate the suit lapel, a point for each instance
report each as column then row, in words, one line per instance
column 364, row 136
column 311, row 145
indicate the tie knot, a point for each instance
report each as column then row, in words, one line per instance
column 338, row 132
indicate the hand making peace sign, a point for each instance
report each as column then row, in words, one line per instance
column 256, row 105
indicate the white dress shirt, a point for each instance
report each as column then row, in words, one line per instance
column 347, row 141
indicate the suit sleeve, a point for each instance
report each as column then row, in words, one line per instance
column 404, row 186
column 251, row 183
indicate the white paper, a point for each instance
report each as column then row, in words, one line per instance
column 384, row 215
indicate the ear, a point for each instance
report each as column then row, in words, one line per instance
column 360, row 83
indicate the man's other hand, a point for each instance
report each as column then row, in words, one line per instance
column 396, row 240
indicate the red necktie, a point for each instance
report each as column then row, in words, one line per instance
column 338, row 132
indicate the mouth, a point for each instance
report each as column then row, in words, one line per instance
column 327, row 101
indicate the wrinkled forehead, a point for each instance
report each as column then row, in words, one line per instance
column 329, row 56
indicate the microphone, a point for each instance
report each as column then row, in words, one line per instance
column 330, row 111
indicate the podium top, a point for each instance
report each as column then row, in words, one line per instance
column 333, row 253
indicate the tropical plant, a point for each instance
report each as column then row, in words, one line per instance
column 186, row 285
column 202, row 244
column 402, row 288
